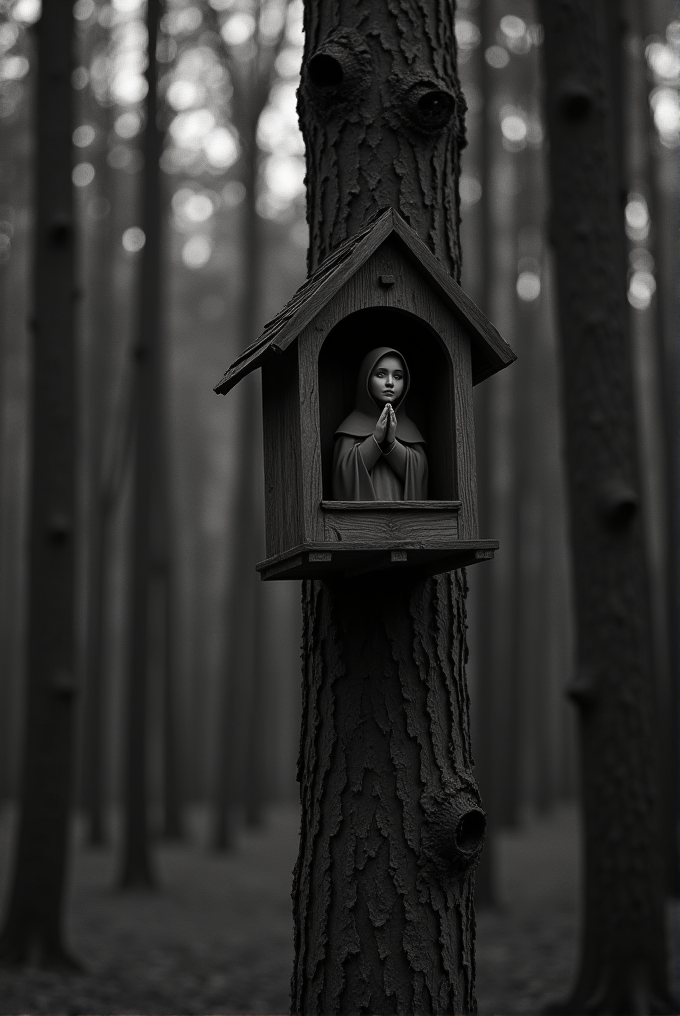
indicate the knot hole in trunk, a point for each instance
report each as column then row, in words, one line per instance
column 453, row 837
column 337, row 75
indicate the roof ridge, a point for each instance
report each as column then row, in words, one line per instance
column 338, row 265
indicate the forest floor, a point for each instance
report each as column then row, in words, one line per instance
column 217, row 935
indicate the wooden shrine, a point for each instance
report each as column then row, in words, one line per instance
column 381, row 287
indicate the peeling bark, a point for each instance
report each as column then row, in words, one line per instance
column 623, row 967
column 391, row 819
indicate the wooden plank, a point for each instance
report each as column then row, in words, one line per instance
column 282, row 454
column 391, row 506
column 423, row 528
column 466, row 464
column 362, row 559
column 311, row 462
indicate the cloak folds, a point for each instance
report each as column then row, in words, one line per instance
column 352, row 481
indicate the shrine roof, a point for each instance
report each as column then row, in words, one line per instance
column 490, row 352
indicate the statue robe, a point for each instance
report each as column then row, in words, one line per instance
column 352, row 481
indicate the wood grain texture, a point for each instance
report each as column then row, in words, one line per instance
column 310, row 428
column 382, row 888
column 282, row 453
column 623, row 966
column 464, row 434
column 421, row 527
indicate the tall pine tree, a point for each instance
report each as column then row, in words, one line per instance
column 383, row 921
column 623, row 962
column 33, row 926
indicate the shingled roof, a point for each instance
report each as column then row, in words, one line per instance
column 490, row 353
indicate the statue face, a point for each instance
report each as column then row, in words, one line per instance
column 386, row 382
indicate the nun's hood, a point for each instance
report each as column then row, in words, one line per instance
column 361, row 422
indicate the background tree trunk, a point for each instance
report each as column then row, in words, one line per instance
column 136, row 861
column 642, row 146
column 163, row 580
column 484, row 729
column 6, row 592
column 33, row 926
column 391, row 818
column 242, row 750
column 623, row 965
column 99, row 337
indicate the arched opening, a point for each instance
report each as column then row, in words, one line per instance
column 430, row 401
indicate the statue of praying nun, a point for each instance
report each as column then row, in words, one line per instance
column 379, row 454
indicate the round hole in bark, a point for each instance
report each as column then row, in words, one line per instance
column 435, row 107
column 470, row 831
column 325, row 71
column 426, row 105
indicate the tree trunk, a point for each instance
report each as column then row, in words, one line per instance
column 33, row 926
column 98, row 357
column 136, row 866
column 506, row 389
column 530, row 475
column 254, row 676
column 5, row 592
column 665, row 350
column 484, row 729
column 623, row 966
column 242, row 588
column 173, row 827
column 391, row 817
column 163, row 572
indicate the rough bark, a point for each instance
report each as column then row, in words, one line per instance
column 391, row 817
column 136, row 860
column 623, row 966
column 33, row 925
column 382, row 115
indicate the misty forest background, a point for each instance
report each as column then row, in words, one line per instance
column 224, row 681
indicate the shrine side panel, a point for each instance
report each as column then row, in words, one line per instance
column 282, row 452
